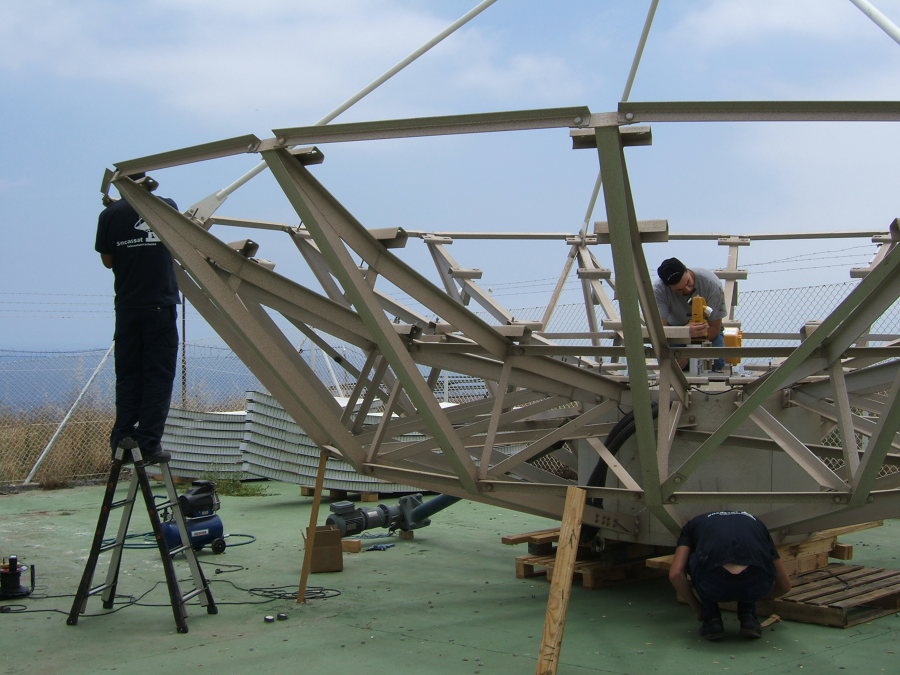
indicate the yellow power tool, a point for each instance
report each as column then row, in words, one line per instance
column 699, row 313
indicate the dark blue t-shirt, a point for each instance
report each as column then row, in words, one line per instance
column 142, row 265
column 727, row 536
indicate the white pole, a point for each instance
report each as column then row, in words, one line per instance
column 635, row 62
column 640, row 49
column 337, row 385
column 203, row 209
column 69, row 414
column 883, row 22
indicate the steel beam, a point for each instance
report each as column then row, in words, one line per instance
column 758, row 111
column 513, row 120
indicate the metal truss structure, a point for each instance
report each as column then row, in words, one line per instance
column 749, row 441
column 609, row 403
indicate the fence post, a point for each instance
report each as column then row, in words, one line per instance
column 65, row 419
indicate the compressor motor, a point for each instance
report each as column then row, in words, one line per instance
column 198, row 506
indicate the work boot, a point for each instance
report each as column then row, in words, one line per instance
column 712, row 628
column 154, row 455
column 750, row 627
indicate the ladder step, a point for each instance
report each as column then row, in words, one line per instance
column 164, row 505
column 122, row 502
column 178, row 549
column 193, row 593
column 107, row 547
column 98, row 589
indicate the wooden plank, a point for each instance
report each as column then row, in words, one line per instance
column 561, row 584
column 809, row 591
column 313, row 519
column 846, row 529
column 823, row 616
column 875, row 586
column 826, row 573
column 530, row 537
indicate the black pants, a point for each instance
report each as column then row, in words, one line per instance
column 719, row 585
column 146, row 353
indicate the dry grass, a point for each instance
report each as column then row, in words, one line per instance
column 80, row 452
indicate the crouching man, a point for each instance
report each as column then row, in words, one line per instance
column 727, row 556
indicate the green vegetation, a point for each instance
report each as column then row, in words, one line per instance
column 232, row 487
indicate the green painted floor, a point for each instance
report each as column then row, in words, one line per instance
column 447, row 601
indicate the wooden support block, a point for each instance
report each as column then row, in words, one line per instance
column 525, row 565
column 841, row 551
column 407, row 534
column 351, row 545
column 663, row 562
column 368, row 496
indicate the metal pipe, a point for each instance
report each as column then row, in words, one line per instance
column 432, row 506
column 69, row 414
column 625, row 94
column 640, row 49
column 207, row 206
column 880, row 19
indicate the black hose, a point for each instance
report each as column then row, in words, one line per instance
column 615, row 439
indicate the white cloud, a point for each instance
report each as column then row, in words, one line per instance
column 717, row 24
column 549, row 78
column 290, row 62
column 828, row 176
column 214, row 59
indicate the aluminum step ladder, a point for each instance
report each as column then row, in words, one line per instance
column 107, row 589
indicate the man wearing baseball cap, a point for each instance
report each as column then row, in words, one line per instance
column 675, row 287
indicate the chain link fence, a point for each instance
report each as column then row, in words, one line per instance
column 56, row 408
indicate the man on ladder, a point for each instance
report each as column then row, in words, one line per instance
column 146, row 347
column 146, row 335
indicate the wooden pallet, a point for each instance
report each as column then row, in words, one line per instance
column 840, row 595
column 622, row 562
column 593, row 573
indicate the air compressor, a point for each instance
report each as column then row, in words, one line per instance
column 10, row 576
column 198, row 506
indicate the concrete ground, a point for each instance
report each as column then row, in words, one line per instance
column 446, row 601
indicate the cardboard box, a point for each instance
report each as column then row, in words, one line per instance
column 327, row 555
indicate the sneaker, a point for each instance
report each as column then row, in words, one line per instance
column 712, row 629
column 750, row 627
column 155, row 455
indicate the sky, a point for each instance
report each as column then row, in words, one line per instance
column 89, row 83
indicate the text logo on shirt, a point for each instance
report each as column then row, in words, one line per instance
column 150, row 237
